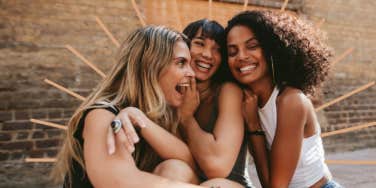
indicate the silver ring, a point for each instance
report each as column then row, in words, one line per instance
column 116, row 125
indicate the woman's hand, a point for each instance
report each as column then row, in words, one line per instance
column 191, row 100
column 249, row 110
column 130, row 118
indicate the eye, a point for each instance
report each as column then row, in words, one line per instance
column 232, row 52
column 198, row 43
column 217, row 48
column 181, row 62
column 252, row 46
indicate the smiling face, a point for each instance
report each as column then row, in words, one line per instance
column 245, row 56
column 206, row 56
column 176, row 75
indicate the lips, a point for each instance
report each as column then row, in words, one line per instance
column 179, row 87
column 203, row 66
column 247, row 68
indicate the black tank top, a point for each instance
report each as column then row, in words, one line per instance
column 79, row 178
column 237, row 173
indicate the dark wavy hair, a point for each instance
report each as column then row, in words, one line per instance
column 300, row 58
column 212, row 30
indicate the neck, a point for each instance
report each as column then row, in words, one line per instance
column 263, row 89
column 204, row 89
column 202, row 86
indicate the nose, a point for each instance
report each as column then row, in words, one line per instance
column 207, row 53
column 243, row 55
column 189, row 71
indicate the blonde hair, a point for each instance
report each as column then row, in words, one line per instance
column 133, row 81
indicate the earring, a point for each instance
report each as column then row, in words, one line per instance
column 273, row 72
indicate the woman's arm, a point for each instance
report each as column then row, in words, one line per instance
column 292, row 108
column 216, row 152
column 167, row 145
column 117, row 170
column 256, row 142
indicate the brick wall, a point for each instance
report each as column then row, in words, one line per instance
column 32, row 39
column 349, row 24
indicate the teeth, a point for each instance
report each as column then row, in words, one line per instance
column 183, row 84
column 247, row 68
column 204, row 65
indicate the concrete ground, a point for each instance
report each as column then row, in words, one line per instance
column 29, row 175
column 359, row 176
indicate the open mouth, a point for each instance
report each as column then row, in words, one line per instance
column 205, row 67
column 180, row 86
column 247, row 69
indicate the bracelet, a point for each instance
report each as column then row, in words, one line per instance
column 258, row 132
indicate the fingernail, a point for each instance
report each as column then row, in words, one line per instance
column 135, row 139
column 132, row 149
column 143, row 125
column 111, row 150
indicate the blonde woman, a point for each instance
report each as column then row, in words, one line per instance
column 146, row 83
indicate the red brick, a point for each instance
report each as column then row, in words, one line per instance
column 55, row 114
column 54, row 133
column 38, row 134
column 6, row 116
column 39, row 114
column 19, row 125
column 36, row 153
column 47, row 143
column 5, row 136
column 52, row 153
column 17, row 155
column 4, row 156
column 25, row 145
column 22, row 115
column 22, row 135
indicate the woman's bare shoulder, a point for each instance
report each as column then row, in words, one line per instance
column 293, row 99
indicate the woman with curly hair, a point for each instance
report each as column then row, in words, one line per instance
column 279, row 60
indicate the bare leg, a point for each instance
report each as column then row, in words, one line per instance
column 176, row 170
column 221, row 183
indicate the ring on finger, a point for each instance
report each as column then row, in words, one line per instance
column 116, row 125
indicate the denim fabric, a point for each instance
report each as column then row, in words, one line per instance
column 332, row 184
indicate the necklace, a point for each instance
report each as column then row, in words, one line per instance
column 206, row 93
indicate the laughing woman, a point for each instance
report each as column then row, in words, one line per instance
column 211, row 121
column 153, row 62
column 213, row 125
column 279, row 60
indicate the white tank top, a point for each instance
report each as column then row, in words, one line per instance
column 311, row 166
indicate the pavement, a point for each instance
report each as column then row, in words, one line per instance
column 359, row 176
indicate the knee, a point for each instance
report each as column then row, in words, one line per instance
column 176, row 170
column 221, row 182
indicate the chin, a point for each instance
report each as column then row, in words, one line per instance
column 245, row 80
column 175, row 103
column 203, row 77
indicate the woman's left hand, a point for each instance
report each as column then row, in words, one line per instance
column 250, row 113
column 191, row 100
column 130, row 118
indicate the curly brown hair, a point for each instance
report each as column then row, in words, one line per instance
column 295, row 47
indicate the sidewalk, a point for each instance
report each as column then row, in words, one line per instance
column 359, row 176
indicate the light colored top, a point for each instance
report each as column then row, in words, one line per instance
column 311, row 166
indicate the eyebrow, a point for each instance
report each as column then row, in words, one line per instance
column 248, row 40
column 179, row 58
column 200, row 37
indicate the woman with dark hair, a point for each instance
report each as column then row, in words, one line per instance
column 213, row 126
column 211, row 122
column 279, row 59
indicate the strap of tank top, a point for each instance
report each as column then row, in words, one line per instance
column 109, row 106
